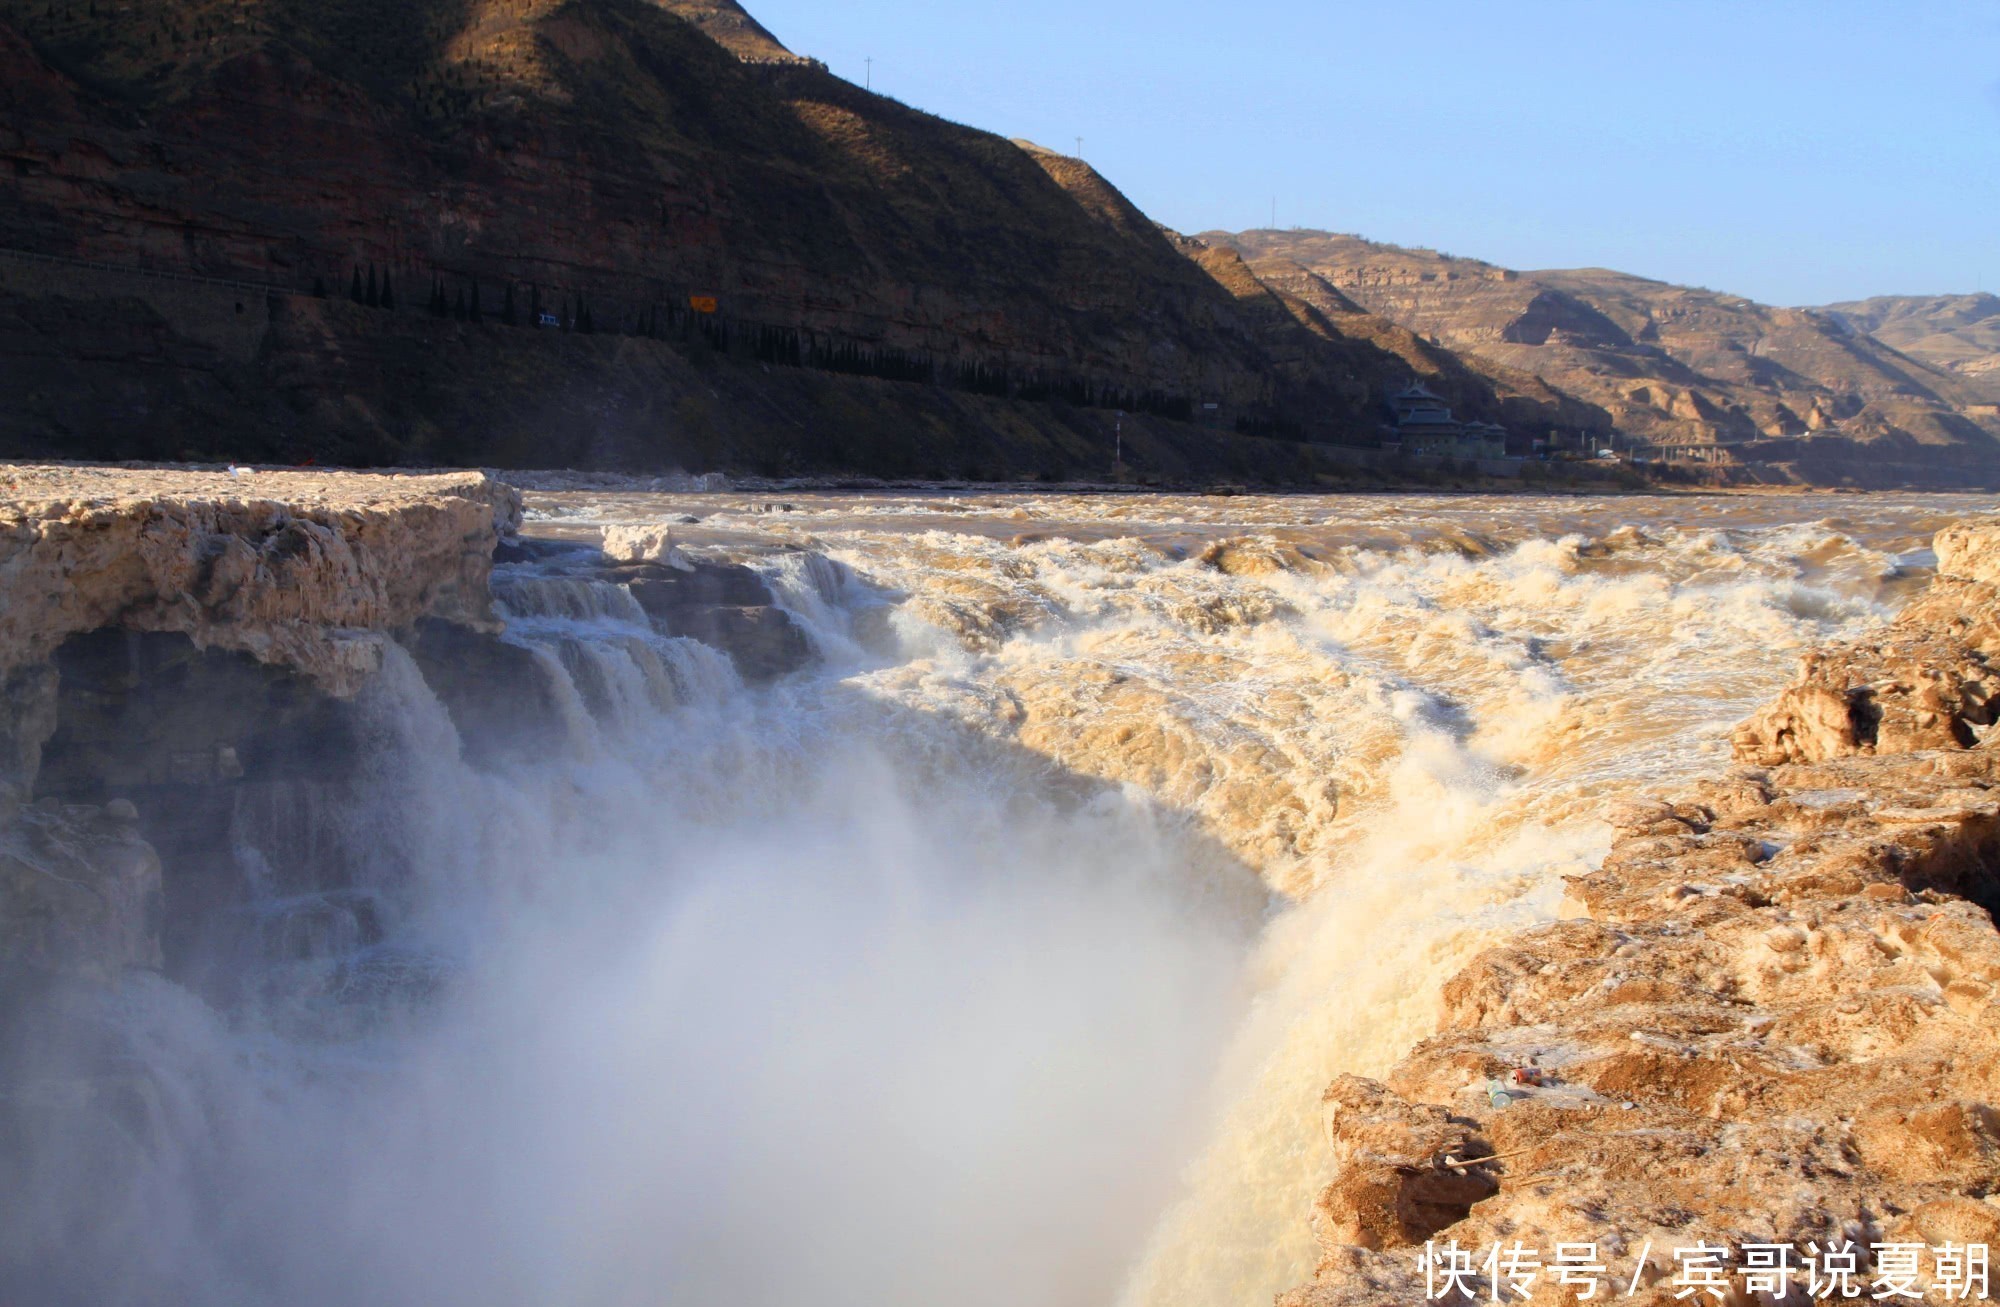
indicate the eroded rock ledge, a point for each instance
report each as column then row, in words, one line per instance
column 180, row 656
column 156, row 625
column 287, row 567
column 1772, row 1020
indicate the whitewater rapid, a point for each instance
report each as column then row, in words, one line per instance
column 999, row 958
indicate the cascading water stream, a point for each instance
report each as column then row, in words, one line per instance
column 998, row 959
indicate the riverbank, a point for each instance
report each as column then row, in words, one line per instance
column 279, row 782
column 1768, row 1019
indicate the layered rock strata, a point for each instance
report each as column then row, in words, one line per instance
column 1770, row 1019
column 180, row 652
column 157, row 627
column 1693, row 372
column 292, row 568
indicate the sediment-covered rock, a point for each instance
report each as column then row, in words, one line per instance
column 1930, row 681
column 1771, row 1021
column 169, row 636
column 724, row 604
column 297, row 569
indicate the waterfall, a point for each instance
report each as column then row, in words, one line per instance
column 612, row 667
column 998, row 959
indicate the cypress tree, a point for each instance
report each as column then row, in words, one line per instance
column 438, row 306
column 507, row 306
column 568, row 318
column 374, row 300
column 476, row 315
column 388, row 292
column 319, row 288
column 583, row 323
column 458, row 309
column 354, row 291
column 534, row 306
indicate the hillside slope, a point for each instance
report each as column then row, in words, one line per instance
column 1670, row 365
column 596, row 148
column 1954, row 333
column 611, row 163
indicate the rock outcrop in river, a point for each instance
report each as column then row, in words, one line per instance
column 178, row 653
column 1771, row 1018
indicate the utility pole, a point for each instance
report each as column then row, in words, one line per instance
column 1118, row 448
column 1079, row 149
column 871, row 73
column 1274, row 213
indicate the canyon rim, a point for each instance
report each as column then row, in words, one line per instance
column 633, row 673
column 423, row 889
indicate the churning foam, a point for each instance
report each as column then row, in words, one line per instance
column 1002, row 959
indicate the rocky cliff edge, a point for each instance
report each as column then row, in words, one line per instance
column 1769, row 1019
column 305, row 572
column 294, row 568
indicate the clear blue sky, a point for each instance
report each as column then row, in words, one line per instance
column 1797, row 151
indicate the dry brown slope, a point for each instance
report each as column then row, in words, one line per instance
column 1671, row 364
column 1475, row 386
column 1956, row 333
column 601, row 147
column 727, row 24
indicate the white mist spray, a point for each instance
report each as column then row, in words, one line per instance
column 943, row 973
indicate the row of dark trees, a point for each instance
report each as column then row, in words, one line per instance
column 786, row 347
column 1273, row 428
column 575, row 315
column 378, row 292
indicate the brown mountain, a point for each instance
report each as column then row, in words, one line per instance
column 613, row 164
column 327, row 228
column 1670, row 365
column 606, row 149
column 1959, row 334
column 725, row 23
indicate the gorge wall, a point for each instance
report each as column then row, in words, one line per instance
column 1959, row 334
column 179, row 655
column 1769, row 1017
column 608, row 163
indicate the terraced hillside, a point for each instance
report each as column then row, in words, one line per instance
column 1670, row 365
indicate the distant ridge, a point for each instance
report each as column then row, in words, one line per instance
column 1957, row 333
column 1673, row 366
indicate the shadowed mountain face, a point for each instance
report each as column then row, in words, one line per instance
column 1955, row 333
column 610, row 164
column 1670, row 364
column 603, row 148
column 625, row 155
